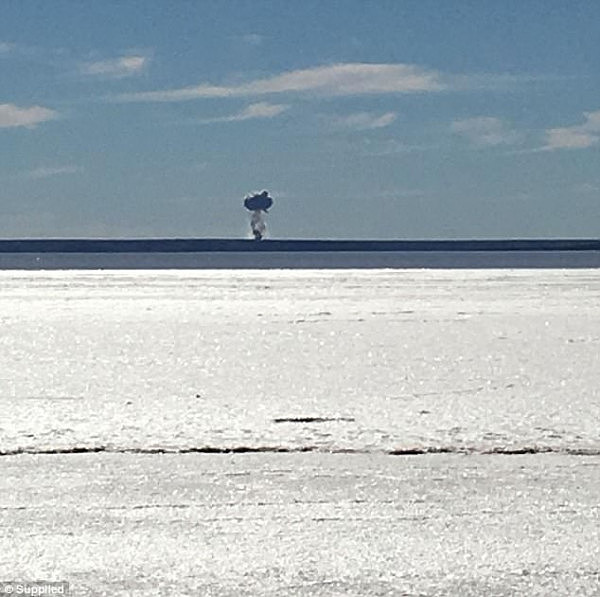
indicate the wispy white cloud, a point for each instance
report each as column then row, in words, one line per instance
column 124, row 66
column 5, row 47
column 15, row 116
column 335, row 80
column 366, row 120
column 485, row 131
column 47, row 171
column 345, row 79
column 260, row 110
column 574, row 137
column 253, row 111
column 569, row 138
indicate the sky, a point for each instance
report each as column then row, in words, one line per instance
column 382, row 119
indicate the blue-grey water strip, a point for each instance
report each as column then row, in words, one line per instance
column 324, row 260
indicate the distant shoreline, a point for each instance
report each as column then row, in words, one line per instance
column 222, row 253
column 225, row 245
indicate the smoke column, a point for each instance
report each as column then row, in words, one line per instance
column 258, row 204
column 258, row 224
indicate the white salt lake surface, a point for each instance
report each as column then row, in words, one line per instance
column 352, row 366
column 471, row 360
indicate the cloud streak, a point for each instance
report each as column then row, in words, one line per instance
column 485, row 131
column 344, row 79
column 579, row 136
column 46, row 172
column 117, row 68
column 258, row 110
column 15, row 116
column 366, row 120
column 253, row 111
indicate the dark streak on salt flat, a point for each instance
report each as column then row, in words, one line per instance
column 313, row 419
column 406, row 451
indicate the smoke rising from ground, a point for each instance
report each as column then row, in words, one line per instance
column 258, row 224
column 258, row 204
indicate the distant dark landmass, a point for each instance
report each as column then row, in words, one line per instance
column 226, row 245
column 222, row 253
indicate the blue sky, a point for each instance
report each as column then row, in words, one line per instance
column 364, row 119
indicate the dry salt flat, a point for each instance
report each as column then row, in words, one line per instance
column 309, row 432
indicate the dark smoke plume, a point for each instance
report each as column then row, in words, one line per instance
column 258, row 204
